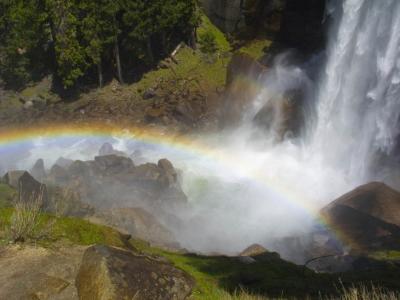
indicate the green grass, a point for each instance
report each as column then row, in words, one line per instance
column 191, row 64
column 67, row 229
column 7, row 194
column 217, row 275
column 256, row 49
column 386, row 255
column 221, row 40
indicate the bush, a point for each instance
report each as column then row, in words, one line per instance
column 25, row 219
column 208, row 43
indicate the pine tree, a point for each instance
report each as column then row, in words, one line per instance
column 70, row 55
column 23, row 41
column 100, row 31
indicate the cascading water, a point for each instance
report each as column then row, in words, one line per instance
column 359, row 95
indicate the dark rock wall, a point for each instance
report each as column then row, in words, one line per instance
column 294, row 23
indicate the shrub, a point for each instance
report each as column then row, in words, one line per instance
column 208, row 43
column 25, row 219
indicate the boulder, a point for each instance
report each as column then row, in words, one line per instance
column 12, row 177
column 66, row 201
column 38, row 171
column 79, row 169
column 58, row 175
column 368, row 216
column 253, row 250
column 259, row 253
column 169, row 176
column 29, row 189
column 112, row 274
column 108, row 149
column 64, row 162
column 113, row 164
column 140, row 224
column 149, row 93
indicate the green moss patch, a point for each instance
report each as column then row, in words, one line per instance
column 256, row 48
column 51, row 229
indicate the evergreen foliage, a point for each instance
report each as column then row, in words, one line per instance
column 76, row 39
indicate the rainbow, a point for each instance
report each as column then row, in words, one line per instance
column 12, row 137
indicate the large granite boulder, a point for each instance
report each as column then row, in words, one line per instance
column 108, row 273
column 369, row 217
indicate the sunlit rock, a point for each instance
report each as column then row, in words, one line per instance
column 112, row 274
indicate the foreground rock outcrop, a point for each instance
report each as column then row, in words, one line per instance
column 108, row 273
column 37, row 273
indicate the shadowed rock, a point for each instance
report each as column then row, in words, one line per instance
column 368, row 216
column 113, row 274
column 12, row 177
column 29, row 189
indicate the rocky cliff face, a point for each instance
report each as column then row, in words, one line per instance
column 226, row 14
column 295, row 23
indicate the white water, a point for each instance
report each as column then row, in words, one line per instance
column 359, row 97
column 268, row 188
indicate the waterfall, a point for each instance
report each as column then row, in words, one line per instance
column 359, row 91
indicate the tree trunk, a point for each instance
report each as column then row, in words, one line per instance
column 164, row 43
column 100, row 73
column 193, row 42
column 149, row 50
column 118, row 61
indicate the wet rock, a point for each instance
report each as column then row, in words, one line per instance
column 140, row 224
column 58, row 175
column 108, row 149
column 66, row 201
column 283, row 116
column 243, row 71
column 369, row 216
column 64, row 162
column 38, row 171
column 169, row 175
column 113, row 164
column 113, row 274
column 79, row 169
